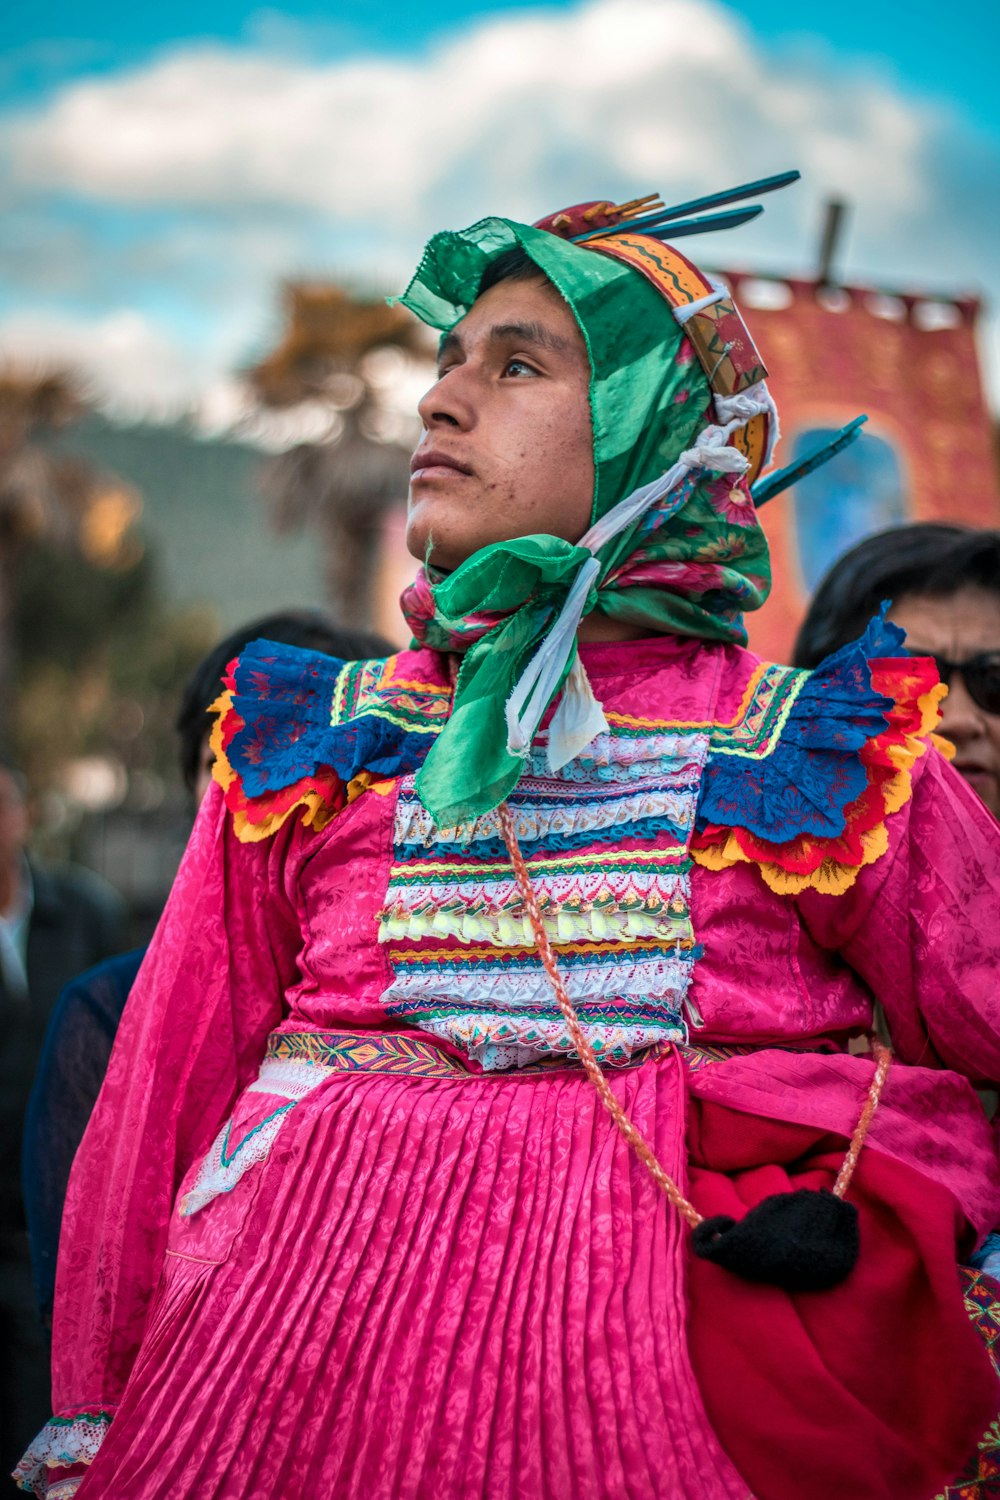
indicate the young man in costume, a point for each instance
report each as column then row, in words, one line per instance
column 351, row 1218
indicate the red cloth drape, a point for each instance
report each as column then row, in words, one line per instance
column 879, row 1387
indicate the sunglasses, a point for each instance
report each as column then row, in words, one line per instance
column 980, row 673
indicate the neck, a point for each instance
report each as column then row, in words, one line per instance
column 600, row 627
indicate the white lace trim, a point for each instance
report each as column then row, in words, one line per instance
column 502, row 1041
column 289, row 1078
column 662, row 981
column 64, row 1440
column 225, row 1164
column 619, row 750
column 543, row 818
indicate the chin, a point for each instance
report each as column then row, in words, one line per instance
column 418, row 536
column 439, row 550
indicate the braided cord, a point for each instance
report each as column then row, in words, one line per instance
column 585, row 1051
column 883, row 1057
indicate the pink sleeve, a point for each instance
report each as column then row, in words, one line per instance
column 922, row 925
column 193, row 1033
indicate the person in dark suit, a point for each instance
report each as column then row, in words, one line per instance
column 53, row 923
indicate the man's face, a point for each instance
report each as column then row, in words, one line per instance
column 507, row 450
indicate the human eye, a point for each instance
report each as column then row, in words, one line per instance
column 517, row 368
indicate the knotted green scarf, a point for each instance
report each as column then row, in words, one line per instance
column 692, row 564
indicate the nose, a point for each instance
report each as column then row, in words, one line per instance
column 448, row 403
column 961, row 719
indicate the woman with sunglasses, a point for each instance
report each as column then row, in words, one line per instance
column 944, row 584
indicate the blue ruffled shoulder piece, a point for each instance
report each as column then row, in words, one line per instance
column 296, row 727
column 792, row 763
column 803, row 779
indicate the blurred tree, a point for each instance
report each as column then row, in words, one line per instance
column 46, row 497
column 342, row 484
column 91, row 663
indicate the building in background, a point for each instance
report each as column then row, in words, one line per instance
column 928, row 451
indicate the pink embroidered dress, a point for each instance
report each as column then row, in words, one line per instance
column 351, row 1221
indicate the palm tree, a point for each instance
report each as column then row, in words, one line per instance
column 343, row 484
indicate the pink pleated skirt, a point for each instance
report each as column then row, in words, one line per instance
column 448, row 1286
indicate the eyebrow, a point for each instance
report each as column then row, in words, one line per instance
column 511, row 333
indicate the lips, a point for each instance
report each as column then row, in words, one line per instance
column 971, row 769
column 429, row 461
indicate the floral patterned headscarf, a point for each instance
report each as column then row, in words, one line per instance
column 691, row 560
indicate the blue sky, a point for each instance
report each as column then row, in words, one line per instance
column 163, row 168
column 931, row 50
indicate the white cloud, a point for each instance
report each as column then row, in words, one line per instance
column 630, row 88
column 355, row 161
column 125, row 358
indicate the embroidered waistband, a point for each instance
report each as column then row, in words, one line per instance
column 421, row 1057
column 395, row 1052
column 367, row 1051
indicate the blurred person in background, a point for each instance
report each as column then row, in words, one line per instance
column 943, row 584
column 54, row 921
column 85, row 1021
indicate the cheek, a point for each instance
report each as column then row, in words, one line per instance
column 992, row 722
column 560, row 461
column 574, row 475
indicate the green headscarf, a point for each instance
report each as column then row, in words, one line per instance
column 690, row 564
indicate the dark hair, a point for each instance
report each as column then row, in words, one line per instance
column 292, row 627
column 512, row 265
column 930, row 558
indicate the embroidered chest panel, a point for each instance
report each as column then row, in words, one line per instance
column 768, row 702
column 383, row 690
column 606, row 843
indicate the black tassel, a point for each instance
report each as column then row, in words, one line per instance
column 805, row 1241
